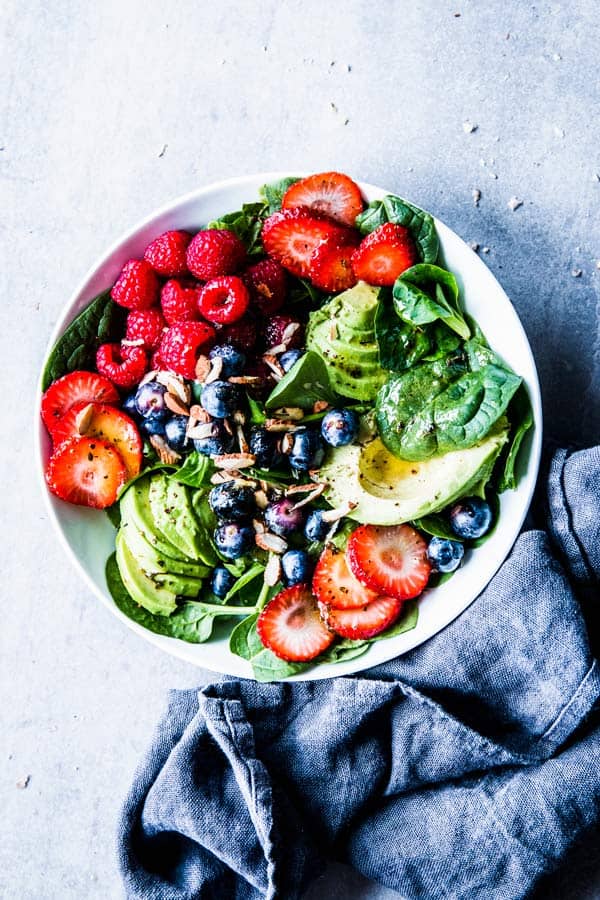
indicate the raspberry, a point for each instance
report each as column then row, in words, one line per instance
column 278, row 330
column 156, row 363
column 224, row 300
column 179, row 301
column 124, row 366
column 181, row 344
column 267, row 281
column 145, row 325
column 166, row 254
column 215, row 252
column 241, row 334
column 137, row 285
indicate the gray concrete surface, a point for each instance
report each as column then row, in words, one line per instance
column 111, row 109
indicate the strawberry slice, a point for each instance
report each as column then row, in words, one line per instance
column 361, row 624
column 331, row 265
column 107, row 423
column 290, row 625
column 292, row 235
column 86, row 471
column 335, row 585
column 389, row 559
column 71, row 389
column 331, row 193
column 384, row 254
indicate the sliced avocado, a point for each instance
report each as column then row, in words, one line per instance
column 342, row 332
column 135, row 508
column 182, row 585
column 173, row 515
column 154, row 597
column 388, row 490
column 155, row 563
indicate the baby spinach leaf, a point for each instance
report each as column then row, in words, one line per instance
column 114, row 514
column 195, row 471
column 520, row 416
column 401, row 212
column 437, row 526
column 407, row 621
column 101, row 321
column 273, row 193
column 425, row 293
column 344, row 650
column 257, row 411
column 305, row 293
column 401, row 345
column 306, row 382
column 248, row 576
column 246, row 223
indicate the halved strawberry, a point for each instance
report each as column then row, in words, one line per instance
column 361, row 624
column 389, row 559
column 72, row 388
column 331, row 265
column 384, row 254
column 292, row 235
column 335, row 585
column 107, row 423
column 290, row 625
column 86, row 471
column 331, row 193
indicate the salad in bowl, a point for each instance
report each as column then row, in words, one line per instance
column 295, row 428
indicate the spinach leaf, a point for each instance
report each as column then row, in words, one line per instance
column 195, row 471
column 437, row 526
column 100, row 322
column 407, row 621
column 249, row 575
column 520, row 416
column 305, row 293
column 114, row 514
column 401, row 345
column 306, row 382
column 247, row 224
column 425, row 293
column 344, row 650
column 272, row 194
column 401, row 212
column 266, row 666
column 257, row 411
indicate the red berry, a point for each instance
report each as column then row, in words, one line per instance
column 331, row 193
column 290, row 625
column 181, row 345
column 267, row 281
column 166, row 253
column 86, row 471
column 179, row 301
column 365, row 623
column 335, row 585
column 243, row 333
column 71, row 389
column 391, row 559
column 156, row 363
column 284, row 330
column 137, row 285
column 331, row 266
column 224, row 300
column 107, row 423
column 125, row 366
column 292, row 235
column 384, row 254
column 215, row 252
column 145, row 325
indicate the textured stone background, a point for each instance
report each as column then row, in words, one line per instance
column 111, row 109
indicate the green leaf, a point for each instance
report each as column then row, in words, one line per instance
column 305, row 383
column 114, row 514
column 436, row 525
column 425, row 293
column 195, row 471
column 257, row 411
column 249, row 575
column 520, row 416
column 246, row 223
column 101, row 321
column 344, row 650
column 272, row 194
column 304, row 293
column 401, row 345
column 407, row 621
column 401, row 212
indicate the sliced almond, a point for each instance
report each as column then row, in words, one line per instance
column 258, row 526
column 234, row 461
column 332, row 515
column 262, row 501
column 199, row 413
column 274, row 364
column 273, row 570
column 216, row 368
column 201, row 431
column 310, row 497
column 203, row 367
column 83, row 418
column 286, row 443
column 245, row 379
column 271, row 542
column 165, row 453
column 241, row 439
column 319, row 406
column 239, row 417
column 227, row 426
column 289, row 332
column 301, row 488
column 221, row 476
column 175, row 405
column 281, row 425
column 290, row 412
column 149, row 376
column 277, row 349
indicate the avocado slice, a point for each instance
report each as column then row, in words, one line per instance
column 152, row 561
column 173, row 515
column 135, row 508
column 182, row 585
column 156, row 598
column 388, row 490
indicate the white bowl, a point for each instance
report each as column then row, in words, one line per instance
column 88, row 537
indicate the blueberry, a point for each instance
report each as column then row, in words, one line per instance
column 307, row 450
column 130, row 407
column 232, row 502
column 222, row 581
column 315, row 528
column 263, row 444
column 220, row 399
column 290, row 358
column 296, row 567
column 153, row 423
column 233, row 359
column 339, row 427
column 233, row 540
column 470, row 518
column 281, row 517
column 150, row 400
column 445, row 555
column 175, row 433
column 219, row 441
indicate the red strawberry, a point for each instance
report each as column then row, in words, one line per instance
column 362, row 624
column 224, row 300
column 86, row 471
column 179, row 301
column 331, row 266
column 145, row 325
column 166, row 253
column 98, row 420
column 181, row 345
column 284, row 330
column 384, row 254
column 335, row 585
column 242, row 334
column 125, row 366
column 215, row 252
column 290, row 625
column 389, row 559
column 72, row 388
column 267, row 281
column 137, row 285
column 292, row 236
column 331, row 193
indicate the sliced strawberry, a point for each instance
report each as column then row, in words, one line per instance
column 361, row 624
column 331, row 193
column 86, row 471
column 290, row 625
column 107, row 423
column 72, row 388
column 389, row 559
column 384, row 254
column 331, row 265
column 335, row 585
column 292, row 235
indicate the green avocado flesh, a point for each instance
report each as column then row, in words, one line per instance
column 342, row 332
column 388, row 490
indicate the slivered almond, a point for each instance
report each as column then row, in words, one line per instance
column 258, row 526
column 203, row 367
column 239, row 417
column 281, row 425
column 274, row 364
column 199, row 432
column 245, row 379
column 310, row 497
column 286, row 443
column 332, row 515
column 319, row 406
column 216, row 368
column 241, row 439
column 165, row 453
column 277, row 349
column 262, row 501
column 198, row 412
column 271, row 542
column 272, row 570
column 289, row 332
column 290, row 412
column 234, row 461
column 175, row 405
column 149, row 376
column 84, row 418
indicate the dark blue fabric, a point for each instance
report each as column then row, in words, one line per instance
column 464, row 769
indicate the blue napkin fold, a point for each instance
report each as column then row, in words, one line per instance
column 465, row 769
